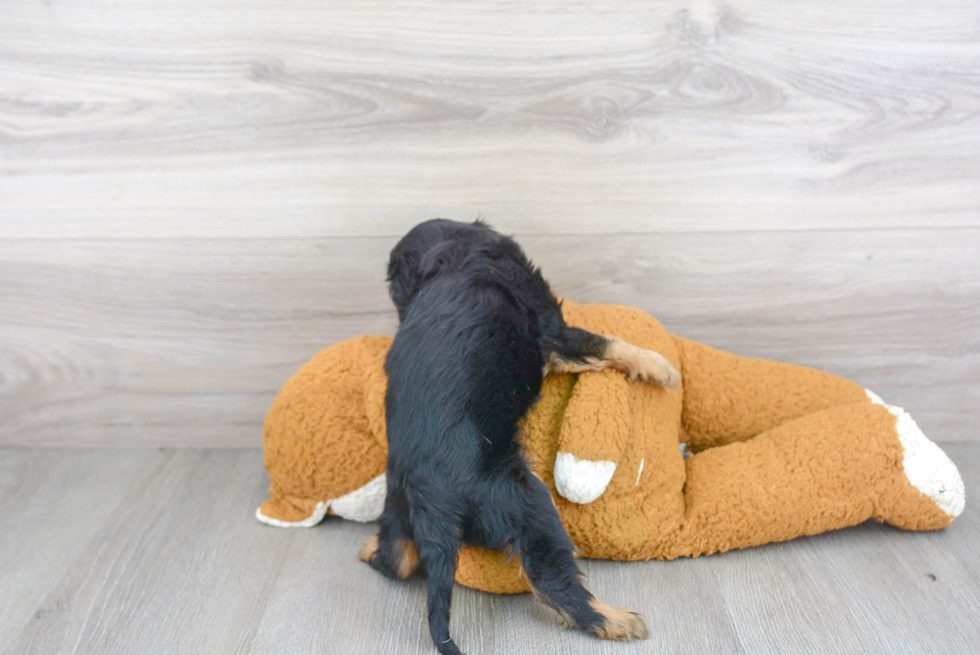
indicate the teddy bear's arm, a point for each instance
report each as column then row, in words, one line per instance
column 728, row 398
column 593, row 435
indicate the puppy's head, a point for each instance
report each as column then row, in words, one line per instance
column 429, row 248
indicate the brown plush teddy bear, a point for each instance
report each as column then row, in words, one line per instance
column 777, row 451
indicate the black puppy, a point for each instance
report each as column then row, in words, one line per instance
column 479, row 330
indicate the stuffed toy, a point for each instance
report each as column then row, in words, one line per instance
column 744, row 452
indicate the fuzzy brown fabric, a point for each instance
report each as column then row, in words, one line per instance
column 326, row 429
column 781, row 451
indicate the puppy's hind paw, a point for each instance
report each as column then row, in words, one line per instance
column 396, row 559
column 369, row 548
column 618, row 624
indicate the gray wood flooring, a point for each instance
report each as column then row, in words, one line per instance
column 153, row 551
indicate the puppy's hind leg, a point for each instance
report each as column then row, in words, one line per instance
column 548, row 559
column 577, row 351
column 392, row 551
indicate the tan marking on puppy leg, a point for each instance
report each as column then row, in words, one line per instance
column 618, row 624
column 369, row 548
column 557, row 364
column 636, row 362
column 641, row 363
column 409, row 560
column 408, row 556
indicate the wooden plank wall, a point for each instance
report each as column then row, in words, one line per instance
column 195, row 197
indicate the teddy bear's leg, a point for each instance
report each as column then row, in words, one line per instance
column 728, row 398
column 323, row 438
column 828, row 470
column 927, row 467
column 602, row 412
column 592, row 436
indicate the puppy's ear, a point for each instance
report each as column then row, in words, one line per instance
column 404, row 279
column 439, row 258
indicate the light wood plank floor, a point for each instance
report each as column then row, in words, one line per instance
column 156, row 551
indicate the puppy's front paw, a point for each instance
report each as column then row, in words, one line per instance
column 647, row 365
column 672, row 378
column 651, row 366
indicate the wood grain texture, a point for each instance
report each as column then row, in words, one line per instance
column 195, row 197
column 255, row 119
column 152, row 551
column 185, row 342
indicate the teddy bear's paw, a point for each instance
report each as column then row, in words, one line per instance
column 927, row 467
column 617, row 624
column 363, row 504
column 581, row 480
column 315, row 516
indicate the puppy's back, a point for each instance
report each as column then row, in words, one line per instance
column 465, row 354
